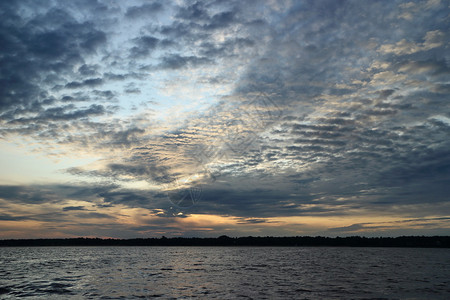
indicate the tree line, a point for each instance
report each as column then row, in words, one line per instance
column 352, row 241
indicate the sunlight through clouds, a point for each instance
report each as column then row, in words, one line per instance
column 143, row 118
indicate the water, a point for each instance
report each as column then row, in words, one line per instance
column 224, row 273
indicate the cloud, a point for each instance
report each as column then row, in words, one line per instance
column 221, row 20
column 351, row 228
column 227, row 48
column 144, row 10
column 194, row 12
column 7, row 217
column 433, row 67
column 432, row 39
column 176, row 61
column 311, row 109
column 144, row 44
column 252, row 221
column 71, row 208
column 25, row 194
column 49, row 41
column 64, row 113
column 92, row 82
column 93, row 215
column 390, row 226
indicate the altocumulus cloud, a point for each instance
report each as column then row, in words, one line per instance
column 283, row 116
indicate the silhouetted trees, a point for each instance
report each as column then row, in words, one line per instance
column 353, row 241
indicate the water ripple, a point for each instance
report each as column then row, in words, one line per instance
column 224, row 273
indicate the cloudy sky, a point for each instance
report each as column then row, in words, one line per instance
column 188, row 118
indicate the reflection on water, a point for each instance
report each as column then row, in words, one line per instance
column 224, row 273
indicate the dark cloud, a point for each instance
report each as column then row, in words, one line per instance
column 246, row 203
column 93, row 215
column 104, row 94
column 204, row 16
column 145, row 10
column 380, row 112
column 39, row 50
column 65, row 113
column 221, row 20
column 175, row 61
column 386, row 93
column 92, row 82
column 7, row 217
column 88, row 70
column 229, row 47
column 137, row 199
column 144, row 45
column 194, row 12
column 351, row 228
column 119, row 77
column 133, row 91
column 109, row 194
column 26, row 194
column 252, row 221
column 353, row 116
column 71, row 208
column 146, row 170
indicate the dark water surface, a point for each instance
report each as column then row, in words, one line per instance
column 224, row 273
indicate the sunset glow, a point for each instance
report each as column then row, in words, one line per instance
column 129, row 119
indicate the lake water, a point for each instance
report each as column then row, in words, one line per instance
column 224, row 273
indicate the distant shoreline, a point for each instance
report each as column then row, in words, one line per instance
column 353, row 241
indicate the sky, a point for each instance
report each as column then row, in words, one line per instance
column 127, row 119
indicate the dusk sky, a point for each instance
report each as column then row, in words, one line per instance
column 133, row 119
